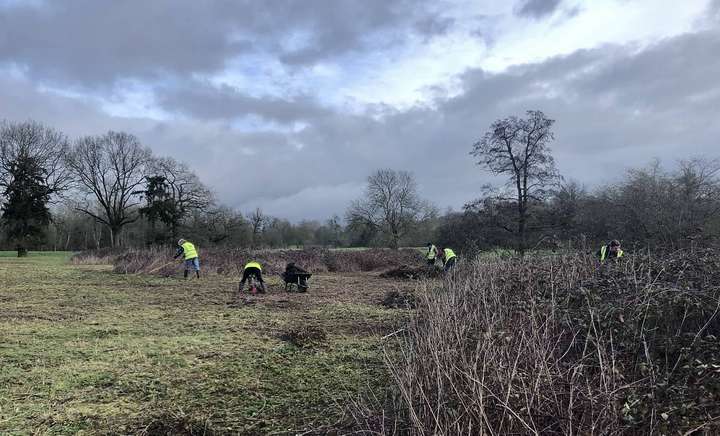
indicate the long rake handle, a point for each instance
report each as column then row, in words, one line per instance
column 161, row 266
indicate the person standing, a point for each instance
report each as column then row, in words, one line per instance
column 431, row 254
column 190, row 255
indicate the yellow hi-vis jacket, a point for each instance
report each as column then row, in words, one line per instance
column 189, row 251
column 604, row 252
column 448, row 254
column 253, row 264
column 432, row 252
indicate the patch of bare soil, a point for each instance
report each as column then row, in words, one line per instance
column 304, row 336
column 399, row 300
column 406, row 272
column 171, row 425
column 327, row 288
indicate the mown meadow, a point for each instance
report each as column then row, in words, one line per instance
column 86, row 350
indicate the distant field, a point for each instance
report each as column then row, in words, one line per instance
column 86, row 350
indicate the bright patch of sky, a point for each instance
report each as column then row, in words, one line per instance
column 480, row 35
column 597, row 23
column 134, row 98
column 407, row 79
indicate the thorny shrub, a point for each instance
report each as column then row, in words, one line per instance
column 562, row 345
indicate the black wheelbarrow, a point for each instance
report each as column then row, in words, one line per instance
column 296, row 279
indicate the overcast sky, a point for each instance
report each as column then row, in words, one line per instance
column 290, row 105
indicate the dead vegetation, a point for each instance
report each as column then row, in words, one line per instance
column 399, row 300
column 103, row 256
column 304, row 336
column 172, row 424
column 560, row 345
column 408, row 272
column 159, row 261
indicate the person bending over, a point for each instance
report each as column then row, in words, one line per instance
column 448, row 258
column 252, row 269
column 611, row 251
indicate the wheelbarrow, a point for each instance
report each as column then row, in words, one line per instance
column 296, row 279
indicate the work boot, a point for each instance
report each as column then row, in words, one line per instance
column 197, row 273
column 185, row 274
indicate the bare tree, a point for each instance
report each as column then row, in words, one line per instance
column 45, row 146
column 519, row 149
column 109, row 169
column 258, row 221
column 391, row 204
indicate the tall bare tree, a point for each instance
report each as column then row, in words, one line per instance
column 110, row 168
column 258, row 221
column 391, row 204
column 519, row 149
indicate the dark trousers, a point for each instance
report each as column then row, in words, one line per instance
column 255, row 272
column 450, row 263
column 431, row 262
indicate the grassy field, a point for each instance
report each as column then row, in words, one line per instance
column 83, row 350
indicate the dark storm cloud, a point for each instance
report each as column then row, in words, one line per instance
column 202, row 100
column 89, row 42
column 93, row 43
column 536, row 8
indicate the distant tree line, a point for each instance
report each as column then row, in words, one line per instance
column 646, row 207
column 538, row 209
column 111, row 191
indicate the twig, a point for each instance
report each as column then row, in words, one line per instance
column 392, row 334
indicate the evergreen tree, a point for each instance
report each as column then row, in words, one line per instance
column 161, row 205
column 25, row 214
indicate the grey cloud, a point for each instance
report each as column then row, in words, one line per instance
column 433, row 26
column 347, row 26
column 202, row 100
column 615, row 108
column 713, row 12
column 87, row 41
column 537, row 8
column 91, row 43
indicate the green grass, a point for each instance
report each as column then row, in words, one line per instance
column 60, row 255
column 83, row 350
